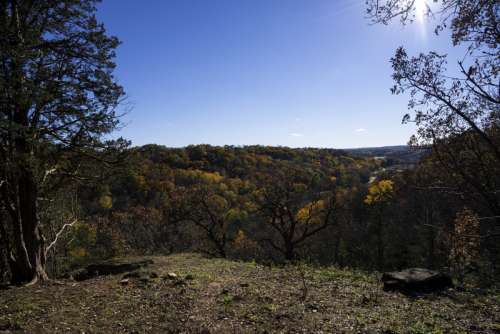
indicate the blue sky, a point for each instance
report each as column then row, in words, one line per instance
column 294, row 73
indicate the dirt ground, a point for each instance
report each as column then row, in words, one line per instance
column 221, row 296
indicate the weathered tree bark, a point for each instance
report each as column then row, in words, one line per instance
column 27, row 265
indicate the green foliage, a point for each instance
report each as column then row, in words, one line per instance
column 83, row 239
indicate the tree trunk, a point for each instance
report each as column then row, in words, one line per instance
column 380, row 242
column 221, row 249
column 4, row 250
column 289, row 252
column 336, row 251
column 27, row 264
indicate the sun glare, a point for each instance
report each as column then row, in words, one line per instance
column 420, row 9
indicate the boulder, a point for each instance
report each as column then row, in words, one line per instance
column 416, row 280
column 111, row 267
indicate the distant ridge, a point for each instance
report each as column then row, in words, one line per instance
column 398, row 153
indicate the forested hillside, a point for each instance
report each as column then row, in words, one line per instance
column 269, row 204
column 218, row 200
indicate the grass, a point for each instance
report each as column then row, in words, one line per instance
column 221, row 296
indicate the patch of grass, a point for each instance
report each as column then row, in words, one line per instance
column 422, row 328
column 333, row 273
column 227, row 300
column 230, row 296
column 269, row 307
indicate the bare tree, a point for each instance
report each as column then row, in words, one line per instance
column 295, row 211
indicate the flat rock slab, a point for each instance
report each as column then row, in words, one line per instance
column 416, row 280
column 112, row 267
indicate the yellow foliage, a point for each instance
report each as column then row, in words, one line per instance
column 236, row 214
column 250, row 206
column 141, row 181
column 240, row 239
column 78, row 252
column 465, row 241
column 83, row 237
column 106, row 202
column 245, row 247
column 299, row 187
column 380, row 192
column 218, row 202
column 310, row 212
column 210, row 177
column 199, row 176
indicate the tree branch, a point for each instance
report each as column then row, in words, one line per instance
column 58, row 234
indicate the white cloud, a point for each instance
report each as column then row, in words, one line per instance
column 360, row 130
column 297, row 119
column 295, row 134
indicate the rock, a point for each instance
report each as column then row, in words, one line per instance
column 312, row 307
column 172, row 276
column 112, row 267
column 416, row 280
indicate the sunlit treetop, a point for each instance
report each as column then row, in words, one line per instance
column 379, row 192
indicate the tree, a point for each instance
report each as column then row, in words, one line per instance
column 209, row 202
column 379, row 195
column 457, row 112
column 213, row 206
column 58, row 98
column 294, row 210
column 464, row 242
column 447, row 104
column 212, row 213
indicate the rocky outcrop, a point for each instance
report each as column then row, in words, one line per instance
column 415, row 280
column 112, row 267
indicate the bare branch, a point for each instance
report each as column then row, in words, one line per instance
column 58, row 234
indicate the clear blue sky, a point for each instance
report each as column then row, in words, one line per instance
column 272, row 72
